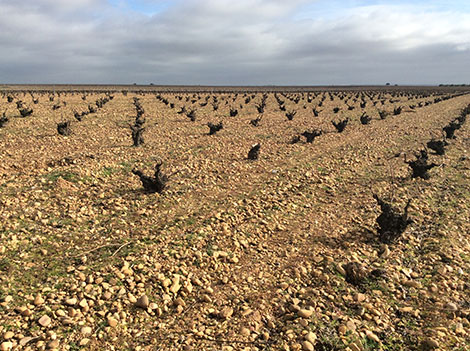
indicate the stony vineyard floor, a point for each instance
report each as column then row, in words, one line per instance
column 278, row 253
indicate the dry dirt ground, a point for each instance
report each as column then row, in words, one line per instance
column 234, row 254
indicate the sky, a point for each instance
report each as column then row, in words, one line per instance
column 235, row 42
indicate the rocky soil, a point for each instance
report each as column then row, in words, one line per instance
column 278, row 253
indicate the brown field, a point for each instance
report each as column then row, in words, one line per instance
column 234, row 254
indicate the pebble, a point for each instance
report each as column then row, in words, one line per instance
column 54, row 344
column 406, row 272
column 311, row 337
column 351, row 325
column 86, row 330
column 356, row 346
column 6, row 346
column 372, row 336
column 307, row 346
column 175, row 287
column 8, row 335
column 44, row 321
column 430, row 344
column 442, row 270
column 131, row 298
column 84, row 342
column 188, row 287
column 208, row 290
column 25, row 312
column 25, row 340
column 304, row 313
column 459, row 329
column 60, row 313
column 206, row 298
column 142, row 302
column 112, row 322
column 413, row 284
column 38, row 300
column 179, row 302
column 40, row 344
column 318, row 259
column 71, row 302
column 127, row 271
column 221, row 254
column 67, row 321
column 385, row 251
column 226, row 312
column 245, row 331
column 8, row 299
column 340, row 270
column 359, row 297
column 450, row 306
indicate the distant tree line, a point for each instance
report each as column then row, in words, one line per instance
column 454, row 85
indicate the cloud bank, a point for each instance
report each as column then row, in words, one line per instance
column 226, row 42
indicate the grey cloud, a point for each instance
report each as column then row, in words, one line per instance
column 227, row 42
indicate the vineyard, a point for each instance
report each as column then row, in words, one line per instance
column 234, row 219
